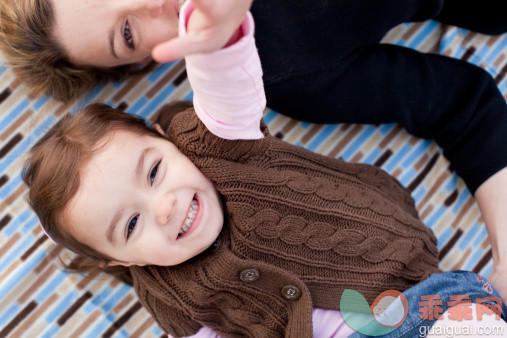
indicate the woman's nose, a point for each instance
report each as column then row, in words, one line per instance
column 164, row 208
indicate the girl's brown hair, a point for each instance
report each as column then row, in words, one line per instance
column 52, row 170
column 28, row 44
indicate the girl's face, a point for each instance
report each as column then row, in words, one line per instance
column 109, row 33
column 142, row 202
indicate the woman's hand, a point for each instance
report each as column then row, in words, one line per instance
column 212, row 24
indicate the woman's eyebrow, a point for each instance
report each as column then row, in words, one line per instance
column 111, row 43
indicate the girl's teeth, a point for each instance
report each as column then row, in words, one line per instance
column 190, row 217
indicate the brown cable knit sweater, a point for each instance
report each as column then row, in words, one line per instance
column 295, row 221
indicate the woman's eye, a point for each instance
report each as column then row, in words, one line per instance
column 153, row 172
column 127, row 36
column 131, row 225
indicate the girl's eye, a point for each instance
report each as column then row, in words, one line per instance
column 127, row 36
column 153, row 172
column 131, row 225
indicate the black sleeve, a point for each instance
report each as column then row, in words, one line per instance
column 432, row 96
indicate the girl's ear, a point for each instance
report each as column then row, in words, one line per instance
column 157, row 127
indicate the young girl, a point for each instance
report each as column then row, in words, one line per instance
column 220, row 224
column 322, row 63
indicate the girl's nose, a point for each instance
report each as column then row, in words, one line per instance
column 155, row 7
column 164, row 208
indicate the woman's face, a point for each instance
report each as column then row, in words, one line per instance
column 109, row 33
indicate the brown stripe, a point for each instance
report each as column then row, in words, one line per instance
column 451, row 198
column 162, row 82
column 122, row 320
column 501, row 74
column 178, row 80
column 34, row 316
column 425, row 212
column 122, row 106
column 141, row 330
column 90, row 276
column 499, row 60
column 463, row 257
column 483, row 261
column 463, row 210
column 3, row 180
column 121, row 305
column 349, row 136
column 411, row 30
column 383, row 158
column 419, row 178
column 19, row 317
column 9, row 243
column 11, row 144
column 397, row 173
column 5, row 94
column 49, row 258
column 13, row 266
column 131, row 83
column 450, row 243
column 279, row 135
column 288, row 126
column 385, row 140
column 33, row 247
column 492, row 40
column 15, row 125
column 314, row 129
column 60, row 111
column 41, row 279
column 357, row 157
column 85, row 324
column 434, row 187
column 468, row 53
column 74, row 307
column 8, row 201
column 4, row 221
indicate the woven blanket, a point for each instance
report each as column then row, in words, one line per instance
column 39, row 299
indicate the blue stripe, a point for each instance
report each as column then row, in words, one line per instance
column 11, row 185
column 372, row 156
column 161, row 97
column 14, row 113
column 435, row 216
column 360, row 139
column 444, row 237
column 469, row 235
column 62, row 306
column 24, row 145
column 51, row 331
column 24, row 270
column 423, row 34
column 396, row 159
column 419, row 194
column 421, row 149
column 16, row 223
column 16, row 252
column 31, row 224
column 159, row 71
column 52, row 285
column 9, row 314
column 321, row 136
column 117, row 296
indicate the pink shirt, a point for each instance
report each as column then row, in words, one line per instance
column 229, row 99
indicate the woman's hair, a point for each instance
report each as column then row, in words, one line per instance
column 52, row 170
column 27, row 42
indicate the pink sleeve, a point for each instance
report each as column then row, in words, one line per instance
column 228, row 90
column 326, row 324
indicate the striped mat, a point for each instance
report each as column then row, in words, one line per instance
column 38, row 299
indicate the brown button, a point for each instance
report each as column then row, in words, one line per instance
column 291, row 292
column 249, row 275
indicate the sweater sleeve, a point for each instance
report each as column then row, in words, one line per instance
column 228, row 89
